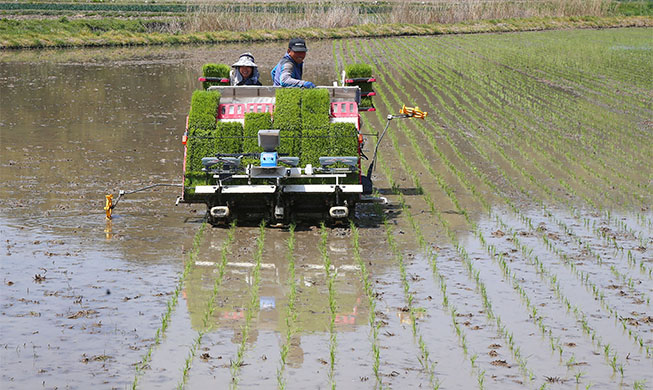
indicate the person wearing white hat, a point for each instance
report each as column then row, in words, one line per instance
column 245, row 71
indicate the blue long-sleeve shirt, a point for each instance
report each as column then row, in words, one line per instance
column 288, row 73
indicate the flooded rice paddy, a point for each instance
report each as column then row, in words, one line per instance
column 515, row 251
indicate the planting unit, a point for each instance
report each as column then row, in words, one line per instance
column 281, row 154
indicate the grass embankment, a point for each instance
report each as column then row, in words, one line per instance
column 64, row 32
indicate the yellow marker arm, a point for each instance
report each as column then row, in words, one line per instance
column 413, row 112
column 108, row 205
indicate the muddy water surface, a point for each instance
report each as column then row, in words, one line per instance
column 82, row 297
column 476, row 280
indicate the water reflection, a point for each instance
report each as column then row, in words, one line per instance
column 312, row 307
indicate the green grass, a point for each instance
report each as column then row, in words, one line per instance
column 361, row 70
column 288, row 119
column 343, row 139
column 634, row 8
column 214, row 70
column 201, row 126
column 315, row 125
column 228, row 138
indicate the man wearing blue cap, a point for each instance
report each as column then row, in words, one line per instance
column 288, row 72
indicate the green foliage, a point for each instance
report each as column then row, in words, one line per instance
column 357, row 71
column 315, row 140
column 254, row 121
column 192, row 179
column 287, row 118
column 366, row 101
column 343, row 139
column 201, row 125
column 214, row 70
column 228, row 137
column 203, row 110
column 200, row 144
column 634, row 8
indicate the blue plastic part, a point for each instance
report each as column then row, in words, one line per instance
column 269, row 159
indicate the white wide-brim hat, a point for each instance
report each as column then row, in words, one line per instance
column 246, row 59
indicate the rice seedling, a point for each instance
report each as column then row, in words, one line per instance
column 207, row 320
column 315, row 110
column 170, row 306
column 330, row 281
column 291, row 311
column 424, row 359
column 491, row 95
column 490, row 250
column 287, row 118
column 550, row 244
column 514, row 164
column 371, row 300
column 420, row 239
column 252, row 307
column 214, row 70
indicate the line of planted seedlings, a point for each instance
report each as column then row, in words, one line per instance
column 170, row 306
column 619, row 251
column 541, row 107
column 612, row 97
column 500, row 261
column 252, row 306
column 424, row 357
column 291, row 310
column 515, row 93
column 441, row 280
column 613, row 269
column 514, row 208
column 421, row 241
column 330, row 273
column 562, row 101
column 547, row 276
column 472, row 272
column 575, row 70
column 437, row 275
column 371, row 302
column 602, row 234
column 613, row 359
column 539, row 144
column 207, row 318
column 623, row 228
column 554, row 343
